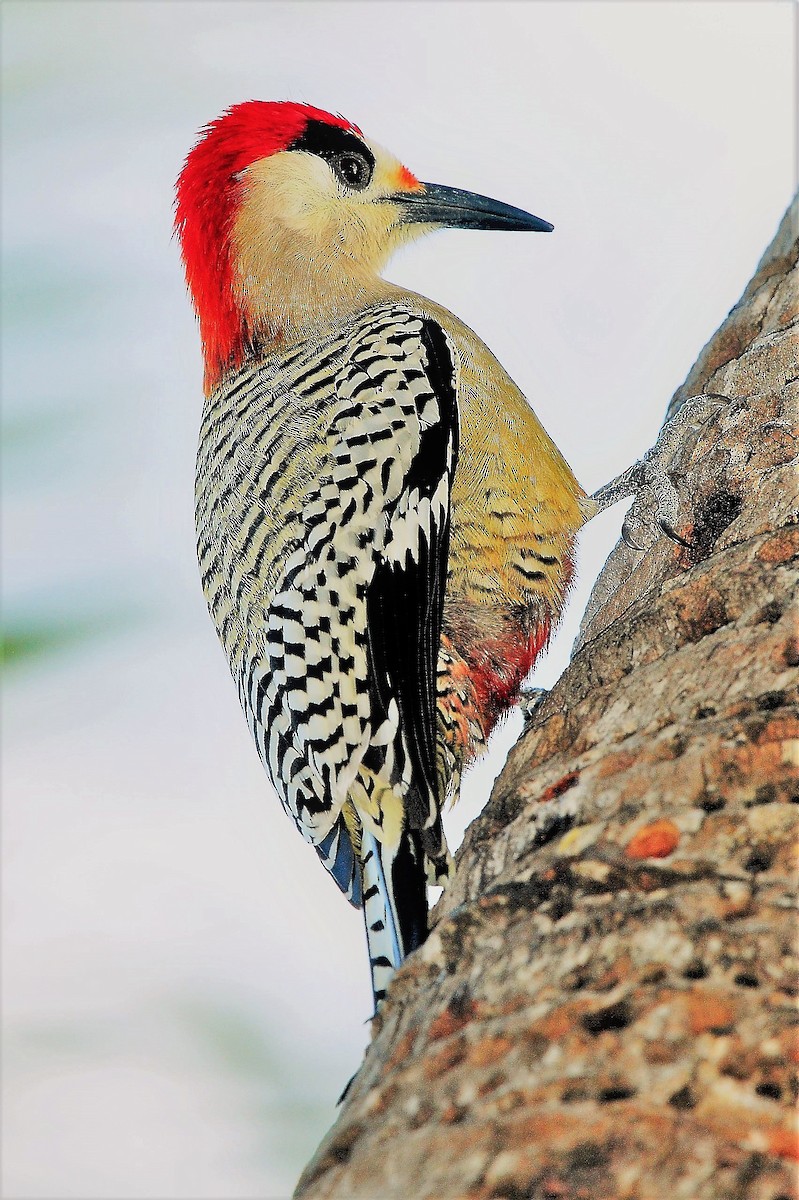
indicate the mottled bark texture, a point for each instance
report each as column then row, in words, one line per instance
column 605, row 1007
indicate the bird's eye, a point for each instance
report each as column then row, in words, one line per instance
column 353, row 170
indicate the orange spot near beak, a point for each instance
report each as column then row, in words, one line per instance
column 407, row 181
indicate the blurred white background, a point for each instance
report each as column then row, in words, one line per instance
column 184, row 991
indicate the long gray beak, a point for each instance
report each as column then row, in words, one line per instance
column 456, row 209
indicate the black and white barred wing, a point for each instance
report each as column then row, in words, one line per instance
column 337, row 669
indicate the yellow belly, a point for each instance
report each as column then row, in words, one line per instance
column 516, row 509
column 516, row 506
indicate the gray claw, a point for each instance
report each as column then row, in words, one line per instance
column 531, row 700
column 628, row 541
column 649, row 478
column 672, row 534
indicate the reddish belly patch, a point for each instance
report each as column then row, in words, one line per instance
column 499, row 668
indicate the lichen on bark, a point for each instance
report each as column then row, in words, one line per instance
column 606, row 1005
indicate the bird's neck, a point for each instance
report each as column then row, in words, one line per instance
column 274, row 292
column 291, row 285
column 283, row 307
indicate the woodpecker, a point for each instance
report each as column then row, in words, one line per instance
column 385, row 532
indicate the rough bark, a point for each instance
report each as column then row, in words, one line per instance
column 605, row 1006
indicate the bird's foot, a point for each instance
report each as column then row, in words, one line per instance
column 346, row 1091
column 649, row 479
column 530, row 700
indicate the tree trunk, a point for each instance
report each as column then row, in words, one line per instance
column 604, row 1008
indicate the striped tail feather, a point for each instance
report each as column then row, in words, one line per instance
column 394, row 904
column 338, row 855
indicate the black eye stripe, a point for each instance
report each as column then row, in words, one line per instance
column 329, row 141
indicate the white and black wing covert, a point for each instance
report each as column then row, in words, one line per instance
column 405, row 598
column 324, row 483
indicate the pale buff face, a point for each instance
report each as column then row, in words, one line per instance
column 302, row 237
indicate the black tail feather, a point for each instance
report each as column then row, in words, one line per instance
column 409, row 885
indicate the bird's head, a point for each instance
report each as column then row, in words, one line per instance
column 286, row 216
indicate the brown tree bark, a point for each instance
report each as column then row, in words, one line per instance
column 604, row 1008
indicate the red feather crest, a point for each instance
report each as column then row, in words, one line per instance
column 207, row 199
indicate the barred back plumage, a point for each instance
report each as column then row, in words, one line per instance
column 318, row 473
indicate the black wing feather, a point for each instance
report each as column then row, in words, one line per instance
column 405, row 602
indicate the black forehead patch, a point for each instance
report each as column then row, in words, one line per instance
column 328, row 141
